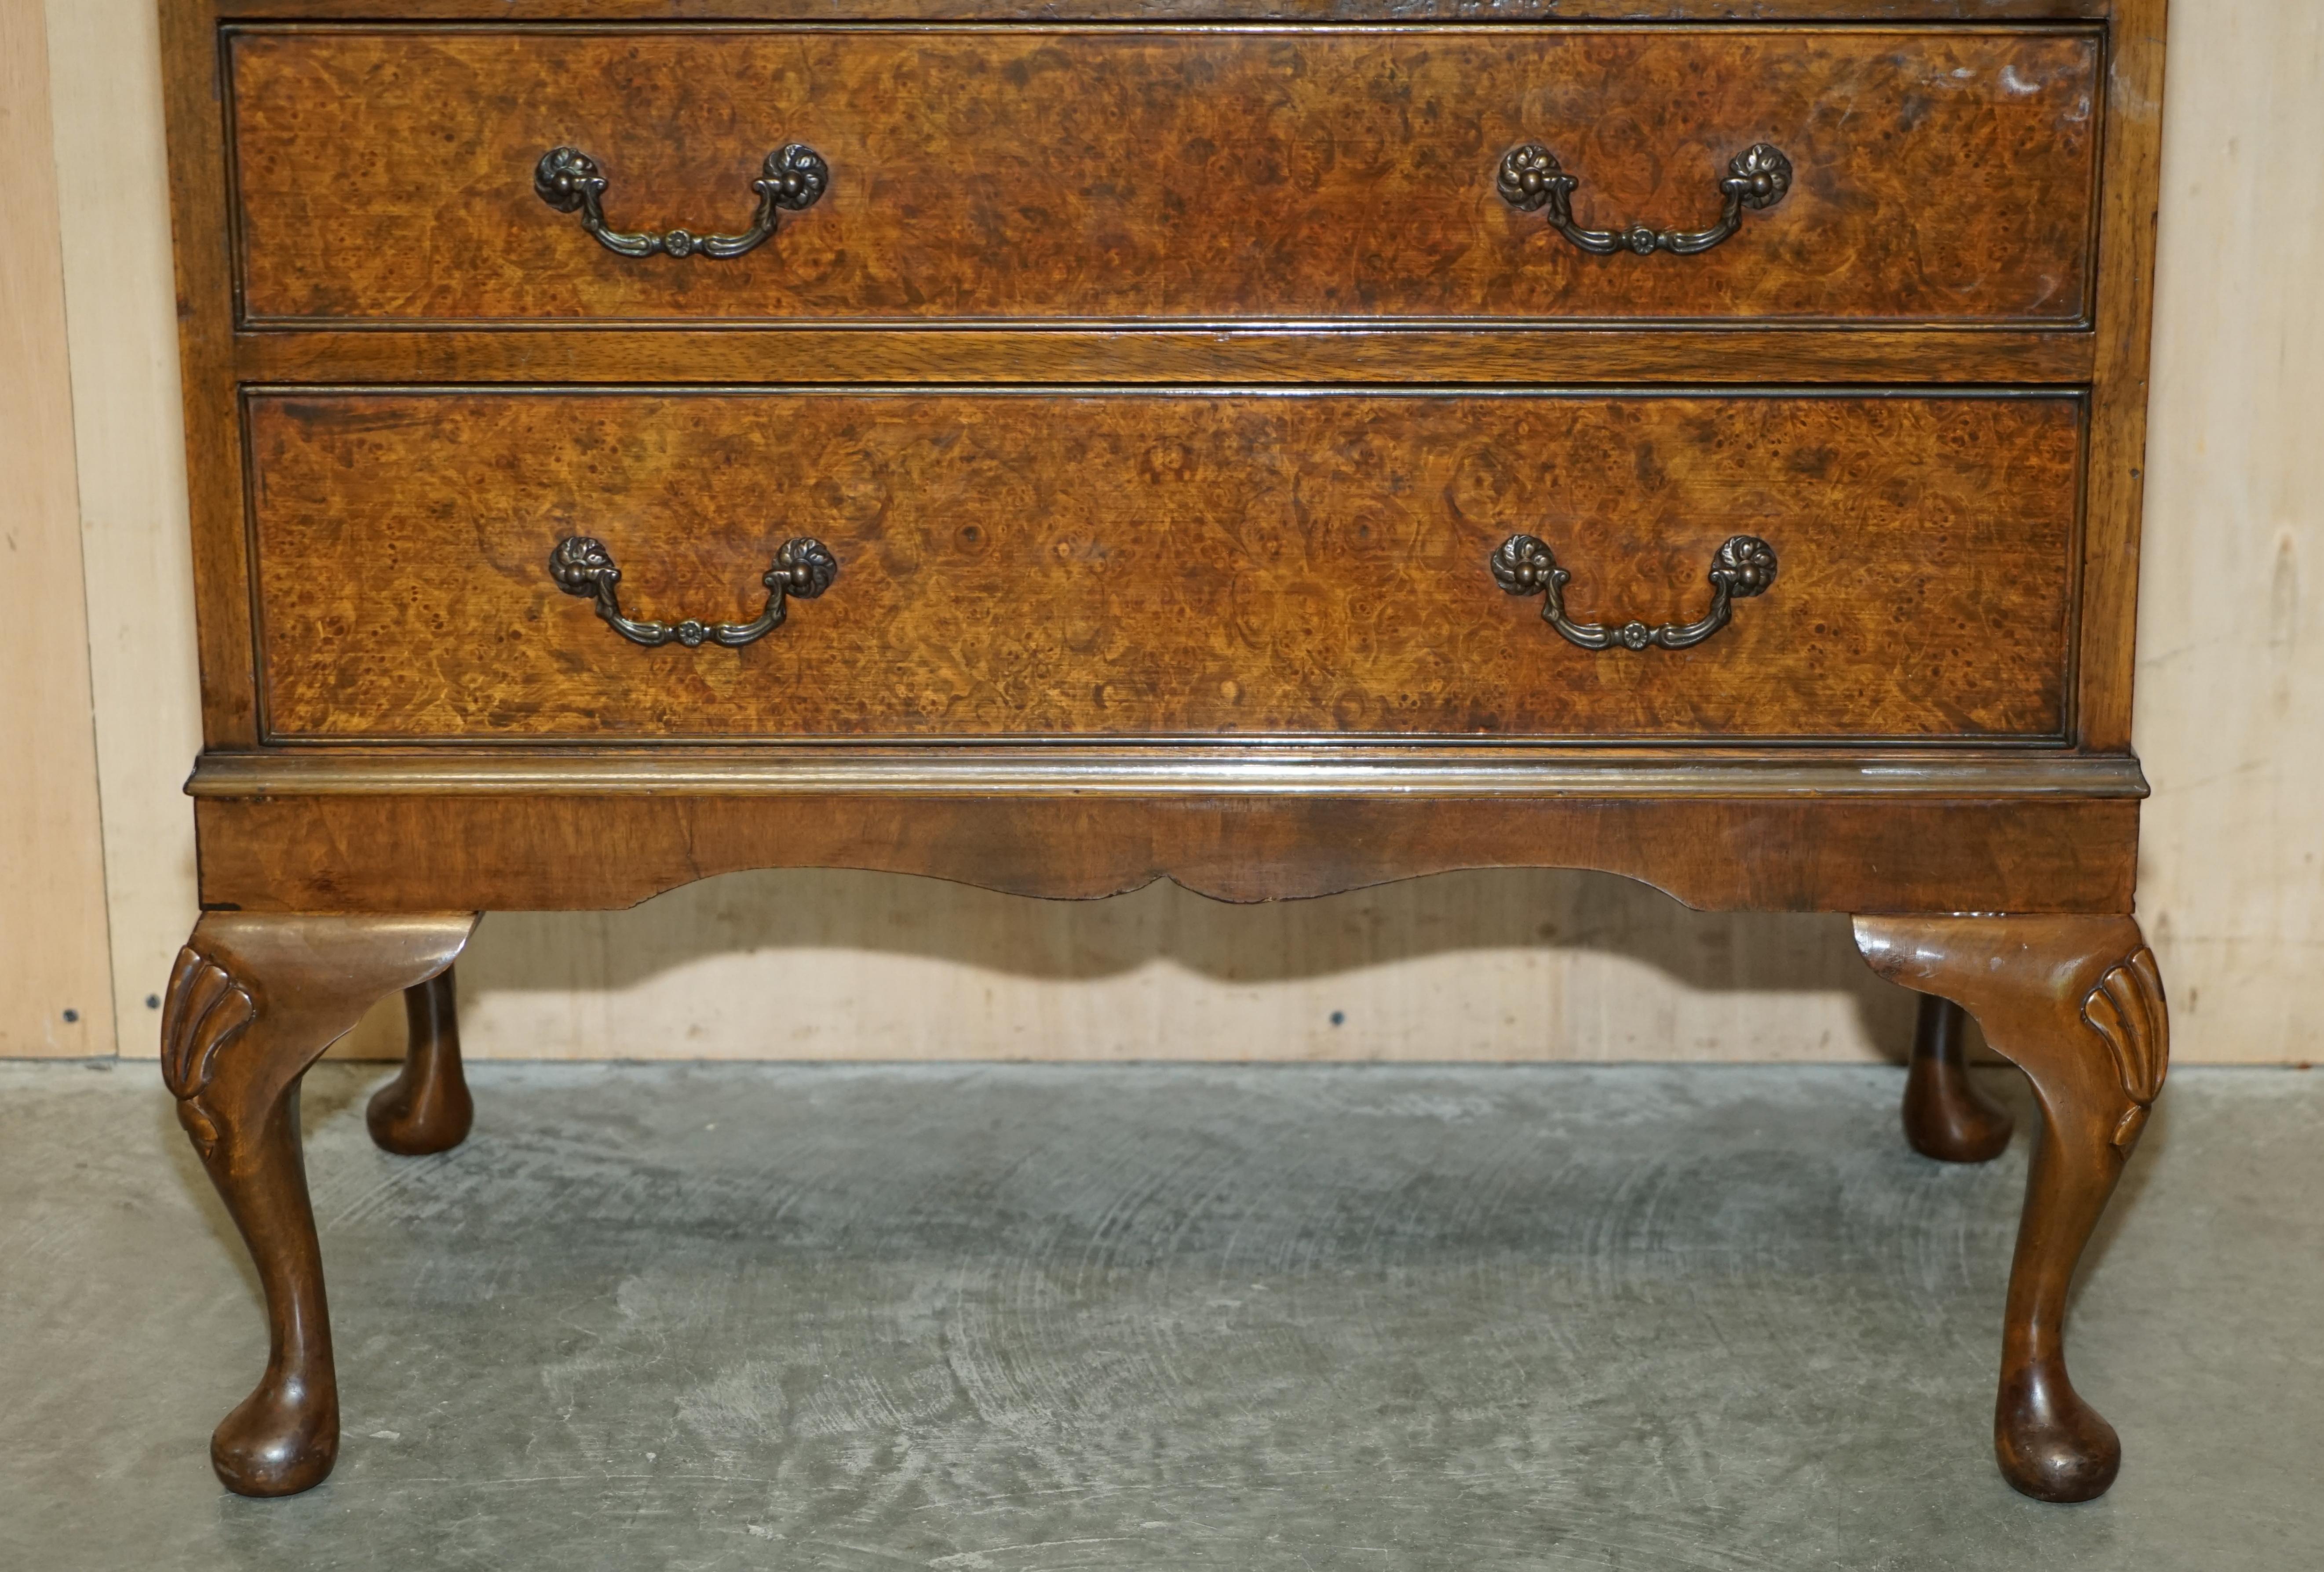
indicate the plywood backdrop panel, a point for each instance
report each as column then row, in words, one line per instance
column 57, row 1000
column 2230, row 723
column 121, row 306
column 2231, row 617
column 1507, row 964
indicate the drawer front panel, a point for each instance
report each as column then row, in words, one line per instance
column 1211, row 173
column 1156, row 564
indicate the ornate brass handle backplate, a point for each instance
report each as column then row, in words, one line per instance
column 1532, row 179
column 568, row 181
column 1745, row 567
column 582, row 567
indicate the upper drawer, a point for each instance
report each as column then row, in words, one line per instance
column 1207, row 173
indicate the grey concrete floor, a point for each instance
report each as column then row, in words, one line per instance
column 996, row 1318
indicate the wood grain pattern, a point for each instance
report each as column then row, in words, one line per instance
column 540, row 853
column 1113, row 565
column 1205, row 174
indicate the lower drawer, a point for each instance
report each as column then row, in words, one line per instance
column 1155, row 563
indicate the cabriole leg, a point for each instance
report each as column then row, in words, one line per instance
column 1946, row 1115
column 254, row 1000
column 425, row 1108
column 2076, row 1003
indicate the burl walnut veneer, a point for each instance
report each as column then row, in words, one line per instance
column 1280, row 446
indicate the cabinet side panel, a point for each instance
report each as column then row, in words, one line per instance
column 193, row 102
column 2126, row 309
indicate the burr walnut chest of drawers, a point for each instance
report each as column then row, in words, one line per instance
column 1280, row 446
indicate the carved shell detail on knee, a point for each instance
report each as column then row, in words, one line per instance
column 2127, row 1009
column 206, row 1010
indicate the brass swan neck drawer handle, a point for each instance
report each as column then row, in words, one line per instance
column 794, row 177
column 1532, row 179
column 582, row 567
column 1744, row 566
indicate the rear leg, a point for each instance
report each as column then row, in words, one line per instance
column 1947, row 1115
column 425, row 1108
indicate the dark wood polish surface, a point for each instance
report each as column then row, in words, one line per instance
column 1119, row 564
column 427, row 1107
column 2076, row 1003
column 539, row 851
column 253, row 1002
column 1947, row 1114
column 1178, row 768
column 2115, row 501
column 1207, row 174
